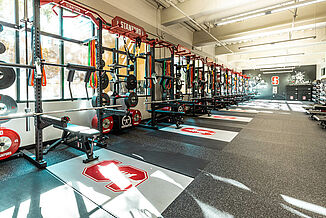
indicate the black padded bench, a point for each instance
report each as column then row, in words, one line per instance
column 167, row 112
column 79, row 137
column 312, row 113
column 321, row 119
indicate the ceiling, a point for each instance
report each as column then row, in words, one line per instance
column 234, row 28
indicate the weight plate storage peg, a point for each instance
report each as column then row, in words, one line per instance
column 131, row 99
column 9, row 142
column 105, row 100
column 131, row 82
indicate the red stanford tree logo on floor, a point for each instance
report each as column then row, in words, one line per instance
column 134, row 175
column 198, row 131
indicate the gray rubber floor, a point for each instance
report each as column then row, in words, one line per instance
column 274, row 167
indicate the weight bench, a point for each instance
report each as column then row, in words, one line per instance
column 168, row 112
column 79, row 137
column 175, row 116
column 321, row 119
column 312, row 113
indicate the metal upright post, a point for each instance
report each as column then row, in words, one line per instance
column 152, row 70
column 172, row 75
column 152, row 51
column 99, row 61
column 37, row 158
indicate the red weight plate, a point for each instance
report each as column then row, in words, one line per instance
column 9, row 143
column 136, row 117
column 107, row 123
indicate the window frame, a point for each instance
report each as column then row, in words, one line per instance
column 17, row 27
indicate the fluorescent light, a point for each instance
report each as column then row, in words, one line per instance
column 265, row 11
column 240, row 19
column 296, row 5
column 277, row 68
column 276, row 72
column 277, row 42
column 263, row 65
column 257, row 11
column 276, row 56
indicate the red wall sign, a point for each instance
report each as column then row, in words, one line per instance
column 128, row 26
column 275, row 80
column 135, row 175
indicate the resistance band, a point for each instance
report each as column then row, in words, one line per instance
column 92, row 62
column 31, row 75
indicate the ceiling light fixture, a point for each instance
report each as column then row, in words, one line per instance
column 277, row 65
column 277, row 42
column 276, row 72
column 276, row 68
column 276, row 56
column 265, row 11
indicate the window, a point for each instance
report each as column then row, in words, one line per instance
column 50, row 52
column 141, row 69
column 108, row 39
column 7, row 37
column 70, row 49
column 49, row 20
column 6, row 11
column 79, row 28
column 76, row 54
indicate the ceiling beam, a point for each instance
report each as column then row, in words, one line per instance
column 274, row 22
column 196, row 9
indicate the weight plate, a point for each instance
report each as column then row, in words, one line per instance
column 7, row 106
column 105, row 100
column 126, row 121
column 105, row 81
column 107, row 124
column 131, row 99
column 136, row 117
column 9, row 143
column 2, row 48
column 7, row 77
column 131, row 82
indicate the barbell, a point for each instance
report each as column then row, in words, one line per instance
column 23, row 115
column 131, row 81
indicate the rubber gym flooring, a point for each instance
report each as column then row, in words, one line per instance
column 260, row 159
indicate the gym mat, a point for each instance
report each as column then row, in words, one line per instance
column 122, row 185
column 229, row 118
column 40, row 194
column 207, row 133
